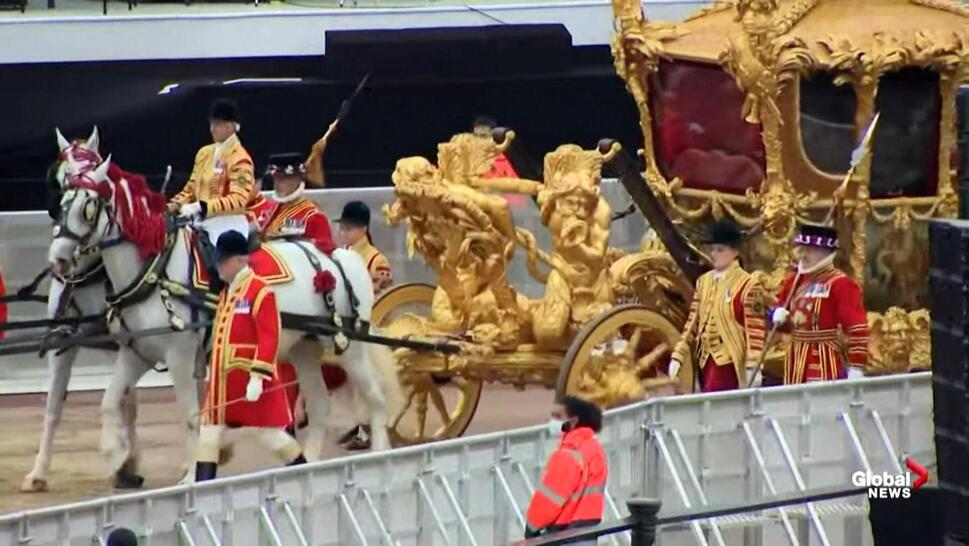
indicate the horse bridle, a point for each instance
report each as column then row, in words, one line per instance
column 92, row 209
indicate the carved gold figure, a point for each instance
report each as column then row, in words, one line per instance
column 462, row 226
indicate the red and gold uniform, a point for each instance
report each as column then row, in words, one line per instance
column 377, row 264
column 301, row 218
column 828, row 324
column 245, row 340
column 222, row 177
column 725, row 329
column 260, row 211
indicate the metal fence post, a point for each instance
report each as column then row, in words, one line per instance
column 644, row 512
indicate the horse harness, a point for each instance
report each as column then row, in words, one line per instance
column 340, row 340
column 153, row 277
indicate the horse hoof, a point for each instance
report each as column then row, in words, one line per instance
column 34, row 485
column 125, row 480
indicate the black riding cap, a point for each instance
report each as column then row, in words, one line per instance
column 231, row 243
column 355, row 213
column 725, row 233
column 224, row 110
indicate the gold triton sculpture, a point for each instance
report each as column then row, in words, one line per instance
column 604, row 313
column 771, row 67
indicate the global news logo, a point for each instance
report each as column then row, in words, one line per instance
column 892, row 486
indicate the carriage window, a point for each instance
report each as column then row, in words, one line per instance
column 905, row 153
column 699, row 132
column 827, row 115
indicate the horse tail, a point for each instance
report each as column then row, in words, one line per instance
column 381, row 358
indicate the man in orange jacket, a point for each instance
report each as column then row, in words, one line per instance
column 572, row 491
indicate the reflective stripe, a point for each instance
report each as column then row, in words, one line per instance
column 589, row 490
column 552, row 495
column 576, row 455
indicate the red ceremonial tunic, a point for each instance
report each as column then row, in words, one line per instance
column 301, row 218
column 261, row 211
column 245, row 340
column 826, row 308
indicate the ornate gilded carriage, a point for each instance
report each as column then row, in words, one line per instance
column 793, row 85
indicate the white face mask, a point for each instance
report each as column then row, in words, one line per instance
column 555, row 426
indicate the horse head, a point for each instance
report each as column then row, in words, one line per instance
column 86, row 214
column 86, row 156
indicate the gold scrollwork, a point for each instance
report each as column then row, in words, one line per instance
column 765, row 52
column 900, row 341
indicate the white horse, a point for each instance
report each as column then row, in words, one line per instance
column 101, row 213
column 82, row 293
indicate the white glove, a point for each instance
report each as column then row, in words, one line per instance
column 855, row 373
column 780, row 315
column 254, row 388
column 674, row 369
column 190, row 210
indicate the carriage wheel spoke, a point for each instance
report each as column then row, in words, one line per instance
column 404, row 410
column 421, row 414
column 438, row 399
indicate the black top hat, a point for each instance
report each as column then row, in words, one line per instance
column 224, row 110
column 122, row 537
column 817, row 236
column 355, row 213
column 231, row 243
column 723, row 232
column 286, row 164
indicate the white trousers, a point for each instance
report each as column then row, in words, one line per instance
column 277, row 440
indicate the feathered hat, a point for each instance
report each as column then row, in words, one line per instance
column 817, row 236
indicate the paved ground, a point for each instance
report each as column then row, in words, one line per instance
column 78, row 471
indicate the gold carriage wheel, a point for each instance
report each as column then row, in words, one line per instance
column 451, row 401
column 654, row 338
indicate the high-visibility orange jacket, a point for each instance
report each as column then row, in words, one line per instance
column 572, row 492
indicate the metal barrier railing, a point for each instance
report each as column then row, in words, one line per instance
column 644, row 519
column 474, row 490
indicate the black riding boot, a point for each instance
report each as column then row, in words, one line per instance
column 205, row 471
column 210, row 261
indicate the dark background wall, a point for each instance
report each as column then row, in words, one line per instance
column 425, row 85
